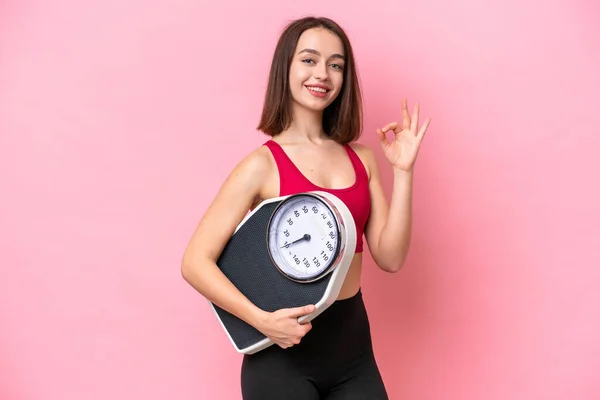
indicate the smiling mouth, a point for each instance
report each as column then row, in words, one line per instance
column 317, row 89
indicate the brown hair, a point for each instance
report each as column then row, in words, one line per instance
column 342, row 119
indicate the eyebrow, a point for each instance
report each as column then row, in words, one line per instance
column 315, row 52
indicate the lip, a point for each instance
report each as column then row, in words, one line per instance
column 318, row 94
column 319, row 86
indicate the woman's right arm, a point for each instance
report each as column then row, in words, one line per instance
column 240, row 191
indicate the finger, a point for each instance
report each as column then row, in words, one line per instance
column 423, row 129
column 383, row 138
column 300, row 311
column 306, row 328
column 405, row 116
column 391, row 126
column 414, row 123
column 284, row 344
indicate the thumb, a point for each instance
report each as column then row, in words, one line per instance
column 382, row 138
column 300, row 311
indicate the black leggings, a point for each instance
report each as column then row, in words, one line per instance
column 334, row 361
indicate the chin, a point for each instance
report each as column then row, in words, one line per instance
column 316, row 108
column 312, row 104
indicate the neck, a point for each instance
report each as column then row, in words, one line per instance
column 306, row 126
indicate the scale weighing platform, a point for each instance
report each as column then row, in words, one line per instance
column 289, row 251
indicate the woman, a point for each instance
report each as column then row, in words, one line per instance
column 313, row 113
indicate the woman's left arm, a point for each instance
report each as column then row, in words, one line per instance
column 388, row 230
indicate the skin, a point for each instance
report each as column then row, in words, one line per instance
column 326, row 164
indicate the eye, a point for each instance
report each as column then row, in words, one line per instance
column 337, row 66
column 307, row 60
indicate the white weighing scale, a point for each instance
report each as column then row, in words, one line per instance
column 290, row 251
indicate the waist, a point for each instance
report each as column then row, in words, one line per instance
column 352, row 282
column 343, row 327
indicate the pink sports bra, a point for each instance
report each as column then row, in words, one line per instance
column 356, row 197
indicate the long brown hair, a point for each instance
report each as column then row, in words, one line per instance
column 342, row 119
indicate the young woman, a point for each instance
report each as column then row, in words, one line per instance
column 313, row 115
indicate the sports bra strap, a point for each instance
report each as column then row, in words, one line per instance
column 359, row 167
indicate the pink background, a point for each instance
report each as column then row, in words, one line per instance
column 119, row 121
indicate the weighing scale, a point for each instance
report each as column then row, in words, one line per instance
column 289, row 251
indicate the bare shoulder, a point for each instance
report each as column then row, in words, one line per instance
column 367, row 156
column 257, row 161
column 237, row 195
column 252, row 172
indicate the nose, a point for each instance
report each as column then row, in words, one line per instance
column 320, row 71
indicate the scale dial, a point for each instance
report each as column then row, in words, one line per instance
column 304, row 237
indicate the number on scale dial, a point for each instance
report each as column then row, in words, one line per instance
column 304, row 237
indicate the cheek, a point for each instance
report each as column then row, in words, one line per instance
column 298, row 75
column 338, row 80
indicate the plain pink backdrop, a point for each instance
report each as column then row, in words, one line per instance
column 119, row 121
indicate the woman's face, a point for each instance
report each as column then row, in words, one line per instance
column 317, row 69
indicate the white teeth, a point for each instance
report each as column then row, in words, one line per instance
column 316, row 89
